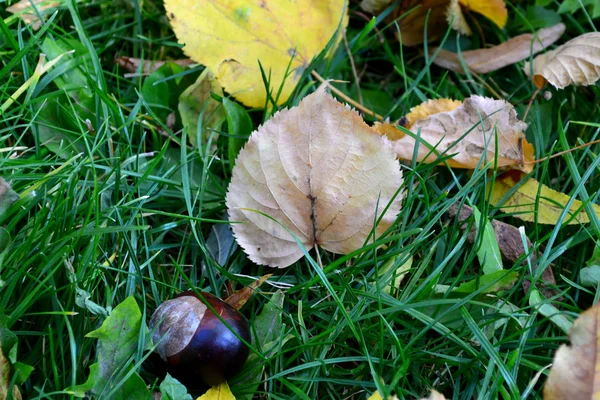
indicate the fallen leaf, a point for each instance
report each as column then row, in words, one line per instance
column 414, row 15
column 511, row 247
column 494, row 10
column 197, row 105
column 5, row 378
column 30, row 11
column 389, row 279
column 231, row 38
column 146, row 67
column 490, row 59
column 488, row 253
column 574, row 373
column 429, row 107
column 576, row 62
column 172, row 389
column 7, row 196
column 118, row 338
column 316, row 172
column 220, row 392
column 374, row 6
column 468, row 132
column 221, row 243
column 377, row 396
column 456, row 19
column 527, row 205
column 239, row 298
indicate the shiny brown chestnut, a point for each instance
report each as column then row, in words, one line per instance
column 195, row 343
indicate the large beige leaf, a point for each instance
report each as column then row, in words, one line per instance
column 319, row 170
column 576, row 62
column 574, row 374
column 534, row 201
column 490, row 59
column 231, row 37
column 467, row 131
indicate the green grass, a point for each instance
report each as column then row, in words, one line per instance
column 132, row 212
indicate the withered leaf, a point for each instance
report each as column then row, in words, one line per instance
column 241, row 297
column 574, row 371
column 576, row 62
column 534, row 201
column 34, row 12
column 490, row 59
column 318, row 171
column 468, row 132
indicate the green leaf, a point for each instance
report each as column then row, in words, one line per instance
column 58, row 128
column 200, row 113
column 499, row 280
column 4, row 239
column 540, row 17
column 570, row 6
column 172, row 389
column 118, row 341
column 389, row 279
column 161, row 90
column 590, row 276
column 540, row 303
column 489, row 252
column 239, row 127
column 7, row 196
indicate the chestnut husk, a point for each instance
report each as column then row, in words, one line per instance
column 214, row 354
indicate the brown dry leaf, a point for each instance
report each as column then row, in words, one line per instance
column 469, row 132
column 522, row 203
column 511, row 247
column 576, row 62
column 29, row 13
column 239, row 298
column 574, row 373
column 317, row 170
column 482, row 61
column 132, row 64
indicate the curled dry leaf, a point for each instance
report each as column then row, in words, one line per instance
column 576, row 62
column 534, row 201
column 467, row 131
column 456, row 18
column 241, row 297
column 318, row 171
column 574, row 370
column 30, row 11
column 231, row 37
column 482, row 61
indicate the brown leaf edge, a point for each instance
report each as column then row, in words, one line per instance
column 239, row 298
column 511, row 246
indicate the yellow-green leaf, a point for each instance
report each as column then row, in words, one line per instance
column 534, row 201
column 219, row 392
column 232, row 37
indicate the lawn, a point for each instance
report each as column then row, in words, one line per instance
column 115, row 201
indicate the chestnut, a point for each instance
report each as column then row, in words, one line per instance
column 196, row 345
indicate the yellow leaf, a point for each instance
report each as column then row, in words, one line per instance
column 467, row 131
column 574, row 374
column 25, row 10
column 576, row 62
column 456, row 19
column 493, row 58
column 220, row 392
column 430, row 107
column 232, row 37
column 318, row 170
column 377, row 396
column 494, row 10
column 522, row 203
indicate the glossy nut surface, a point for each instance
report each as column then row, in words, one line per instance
column 197, row 346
